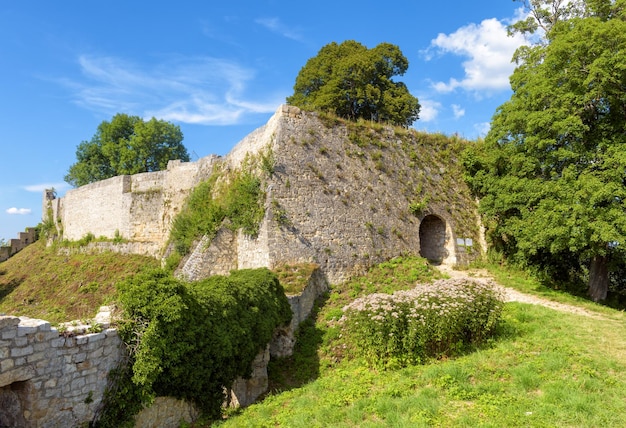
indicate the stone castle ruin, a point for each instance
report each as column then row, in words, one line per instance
column 341, row 195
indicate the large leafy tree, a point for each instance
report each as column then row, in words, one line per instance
column 552, row 170
column 354, row 82
column 126, row 145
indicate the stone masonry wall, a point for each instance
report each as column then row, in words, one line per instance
column 340, row 196
column 48, row 379
column 138, row 208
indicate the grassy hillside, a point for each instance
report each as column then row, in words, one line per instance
column 39, row 283
column 546, row 369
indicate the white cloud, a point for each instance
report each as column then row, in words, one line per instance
column 38, row 188
column 482, row 128
column 276, row 26
column 199, row 90
column 429, row 110
column 488, row 50
column 18, row 211
column 458, row 111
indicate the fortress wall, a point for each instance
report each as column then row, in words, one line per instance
column 253, row 252
column 100, row 208
column 139, row 208
column 344, row 204
column 346, row 207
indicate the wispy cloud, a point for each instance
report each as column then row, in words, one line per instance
column 38, row 188
column 199, row 90
column 276, row 26
column 488, row 50
column 429, row 110
column 18, row 211
column 458, row 111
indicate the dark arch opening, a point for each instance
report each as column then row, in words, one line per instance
column 13, row 403
column 433, row 238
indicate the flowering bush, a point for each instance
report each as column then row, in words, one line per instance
column 431, row 320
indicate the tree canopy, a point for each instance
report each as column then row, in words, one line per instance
column 551, row 173
column 354, row 82
column 126, row 145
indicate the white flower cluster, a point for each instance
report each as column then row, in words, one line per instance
column 428, row 320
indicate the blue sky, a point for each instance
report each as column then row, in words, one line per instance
column 218, row 71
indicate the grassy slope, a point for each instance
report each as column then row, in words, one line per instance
column 546, row 369
column 39, row 283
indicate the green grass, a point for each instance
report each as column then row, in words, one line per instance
column 39, row 283
column 545, row 369
column 294, row 278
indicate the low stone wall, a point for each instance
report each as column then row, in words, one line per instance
column 51, row 379
column 15, row 245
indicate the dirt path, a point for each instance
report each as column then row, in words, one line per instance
column 512, row 295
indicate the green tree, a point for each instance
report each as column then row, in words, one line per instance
column 552, row 171
column 126, row 145
column 354, row 82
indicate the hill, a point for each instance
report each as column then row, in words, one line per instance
column 547, row 368
column 40, row 282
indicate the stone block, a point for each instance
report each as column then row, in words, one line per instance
column 58, row 342
column 6, row 364
column 20, row 341
column 96, row 353
column 8, row 321
column 21, row 352
column 37, row 356
column 82, row 340
column 41, row 346
column 8, row 334
column 83, row 365
column 95, row 337
column 79, row 358
column 24, row 330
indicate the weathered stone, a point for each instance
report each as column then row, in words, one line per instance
column 20, row 352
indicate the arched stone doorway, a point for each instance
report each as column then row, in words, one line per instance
column 433, row 238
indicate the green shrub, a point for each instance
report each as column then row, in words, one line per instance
column 192, row 340
column 207, row 208
column 433, row 320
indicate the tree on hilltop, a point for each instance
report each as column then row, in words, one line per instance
column 126, row 145
column 354, row 82
column 552, row 171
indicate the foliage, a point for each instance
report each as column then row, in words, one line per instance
column 550, row 173
column 433, row 320
column 416, row 207
column 209, row 205
column 295, row 277
column 354, row 82
column 192, row 340
column 545, row 368
column 126, row 145
column 122, row 400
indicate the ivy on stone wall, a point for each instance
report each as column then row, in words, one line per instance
column 237, row 198
column 192, row 340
